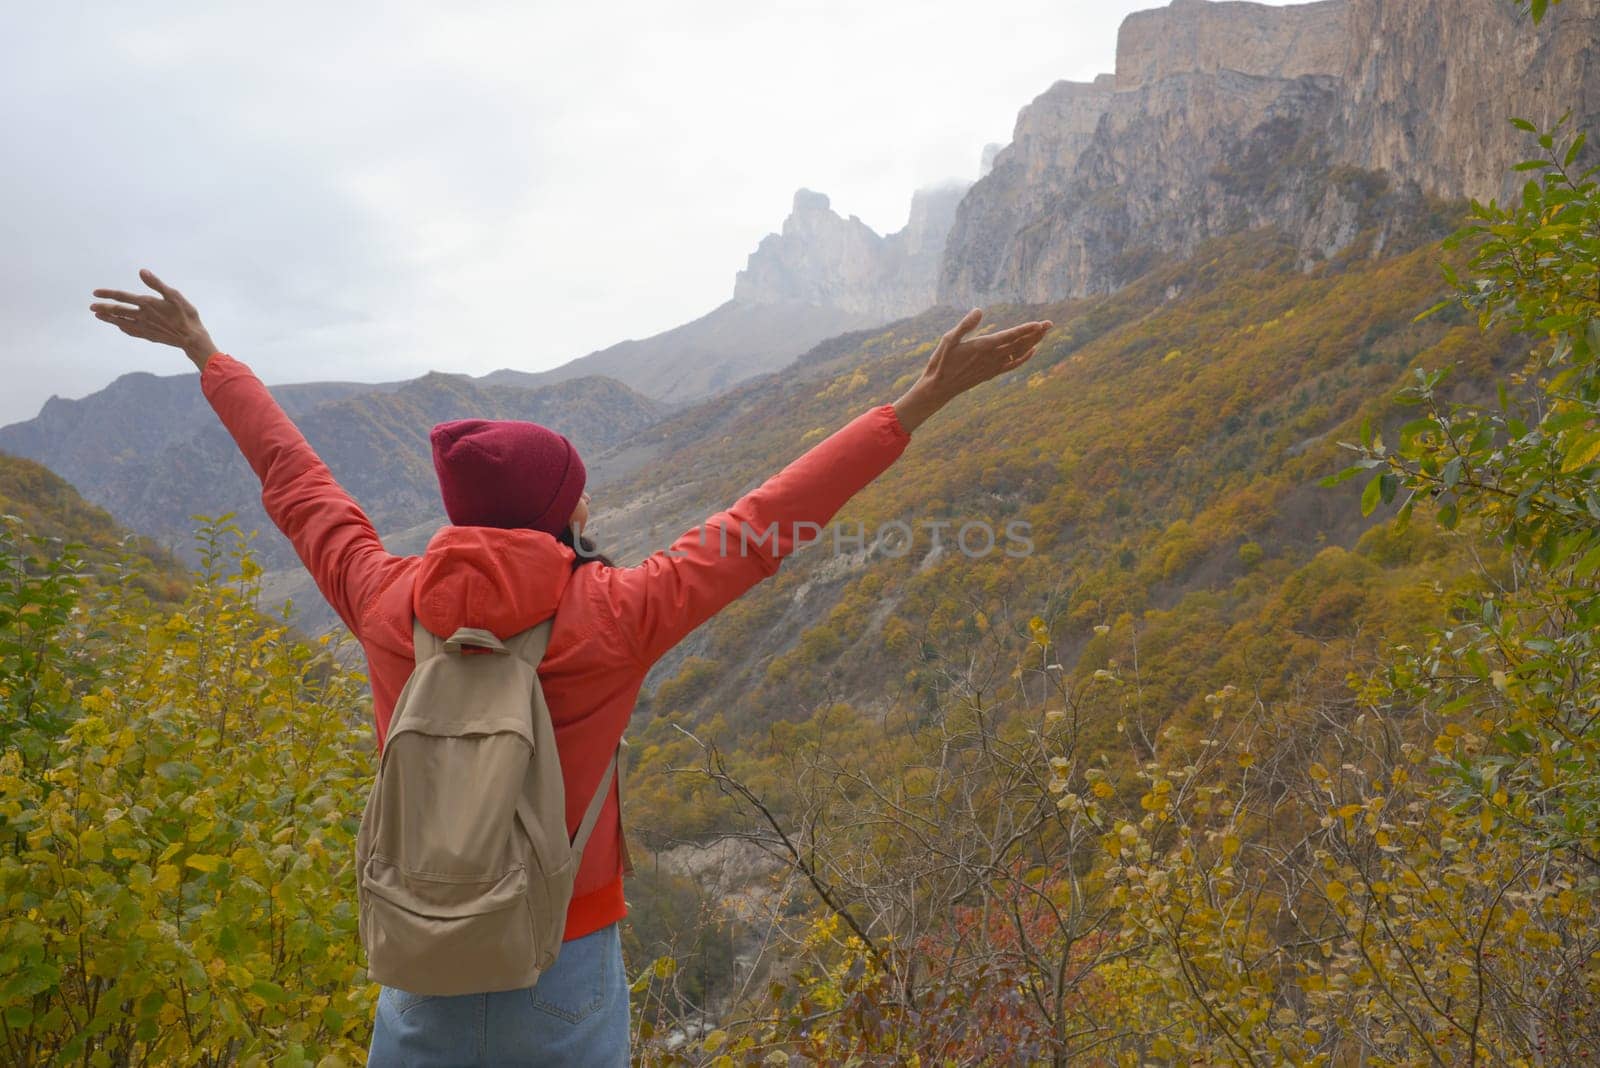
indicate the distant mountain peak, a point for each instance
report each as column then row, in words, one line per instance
column 808, row 200
column 820, row 257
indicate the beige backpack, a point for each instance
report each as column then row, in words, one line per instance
column 464, row 869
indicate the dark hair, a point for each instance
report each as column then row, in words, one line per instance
column 587, row 551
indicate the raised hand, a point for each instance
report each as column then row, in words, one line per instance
column 960, row 363
column 167, row 318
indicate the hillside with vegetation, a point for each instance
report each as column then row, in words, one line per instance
column 49, row 514
column 1158, row 432
column 1246, row 762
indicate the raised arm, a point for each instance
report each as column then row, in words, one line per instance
column 330, row 533
column 657, row 603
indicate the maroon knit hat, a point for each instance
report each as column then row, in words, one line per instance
column 504, row 473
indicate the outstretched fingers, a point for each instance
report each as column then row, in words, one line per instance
column 149, row 278
column 127, row 324
column 959, row 332
column 1019, row 339
column 138, row 300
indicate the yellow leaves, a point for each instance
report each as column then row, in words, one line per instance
column 203, row 862
column 845, row 383
column 1336, row 891
column 167, row 878
column 1583, row 451
column 92, row 843
column 1103, row 790
column 1159, row 797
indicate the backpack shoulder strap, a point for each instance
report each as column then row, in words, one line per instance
column 622, row 832
column 531, row 644
column 425, row 645
column 591, row 816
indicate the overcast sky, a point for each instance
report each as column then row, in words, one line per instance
column 367, row 192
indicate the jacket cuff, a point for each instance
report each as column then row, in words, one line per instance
column 216, row 369
column 897, row 433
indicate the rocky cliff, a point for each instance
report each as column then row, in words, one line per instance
column 1335, row 121
column 1203, row 37
column 1428, row 85
column 823, row 259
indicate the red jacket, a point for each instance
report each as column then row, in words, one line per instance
column 611, row 623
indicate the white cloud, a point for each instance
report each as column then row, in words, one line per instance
column 367, row 191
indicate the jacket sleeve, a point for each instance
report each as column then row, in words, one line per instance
column 658, row 602
column 331, row 534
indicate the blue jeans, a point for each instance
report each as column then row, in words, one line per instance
column 576, row 1014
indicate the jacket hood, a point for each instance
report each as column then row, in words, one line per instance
column 502, row 581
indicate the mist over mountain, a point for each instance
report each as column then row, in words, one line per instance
column 821, row 275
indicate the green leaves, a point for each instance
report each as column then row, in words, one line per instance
column 1380, row 490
